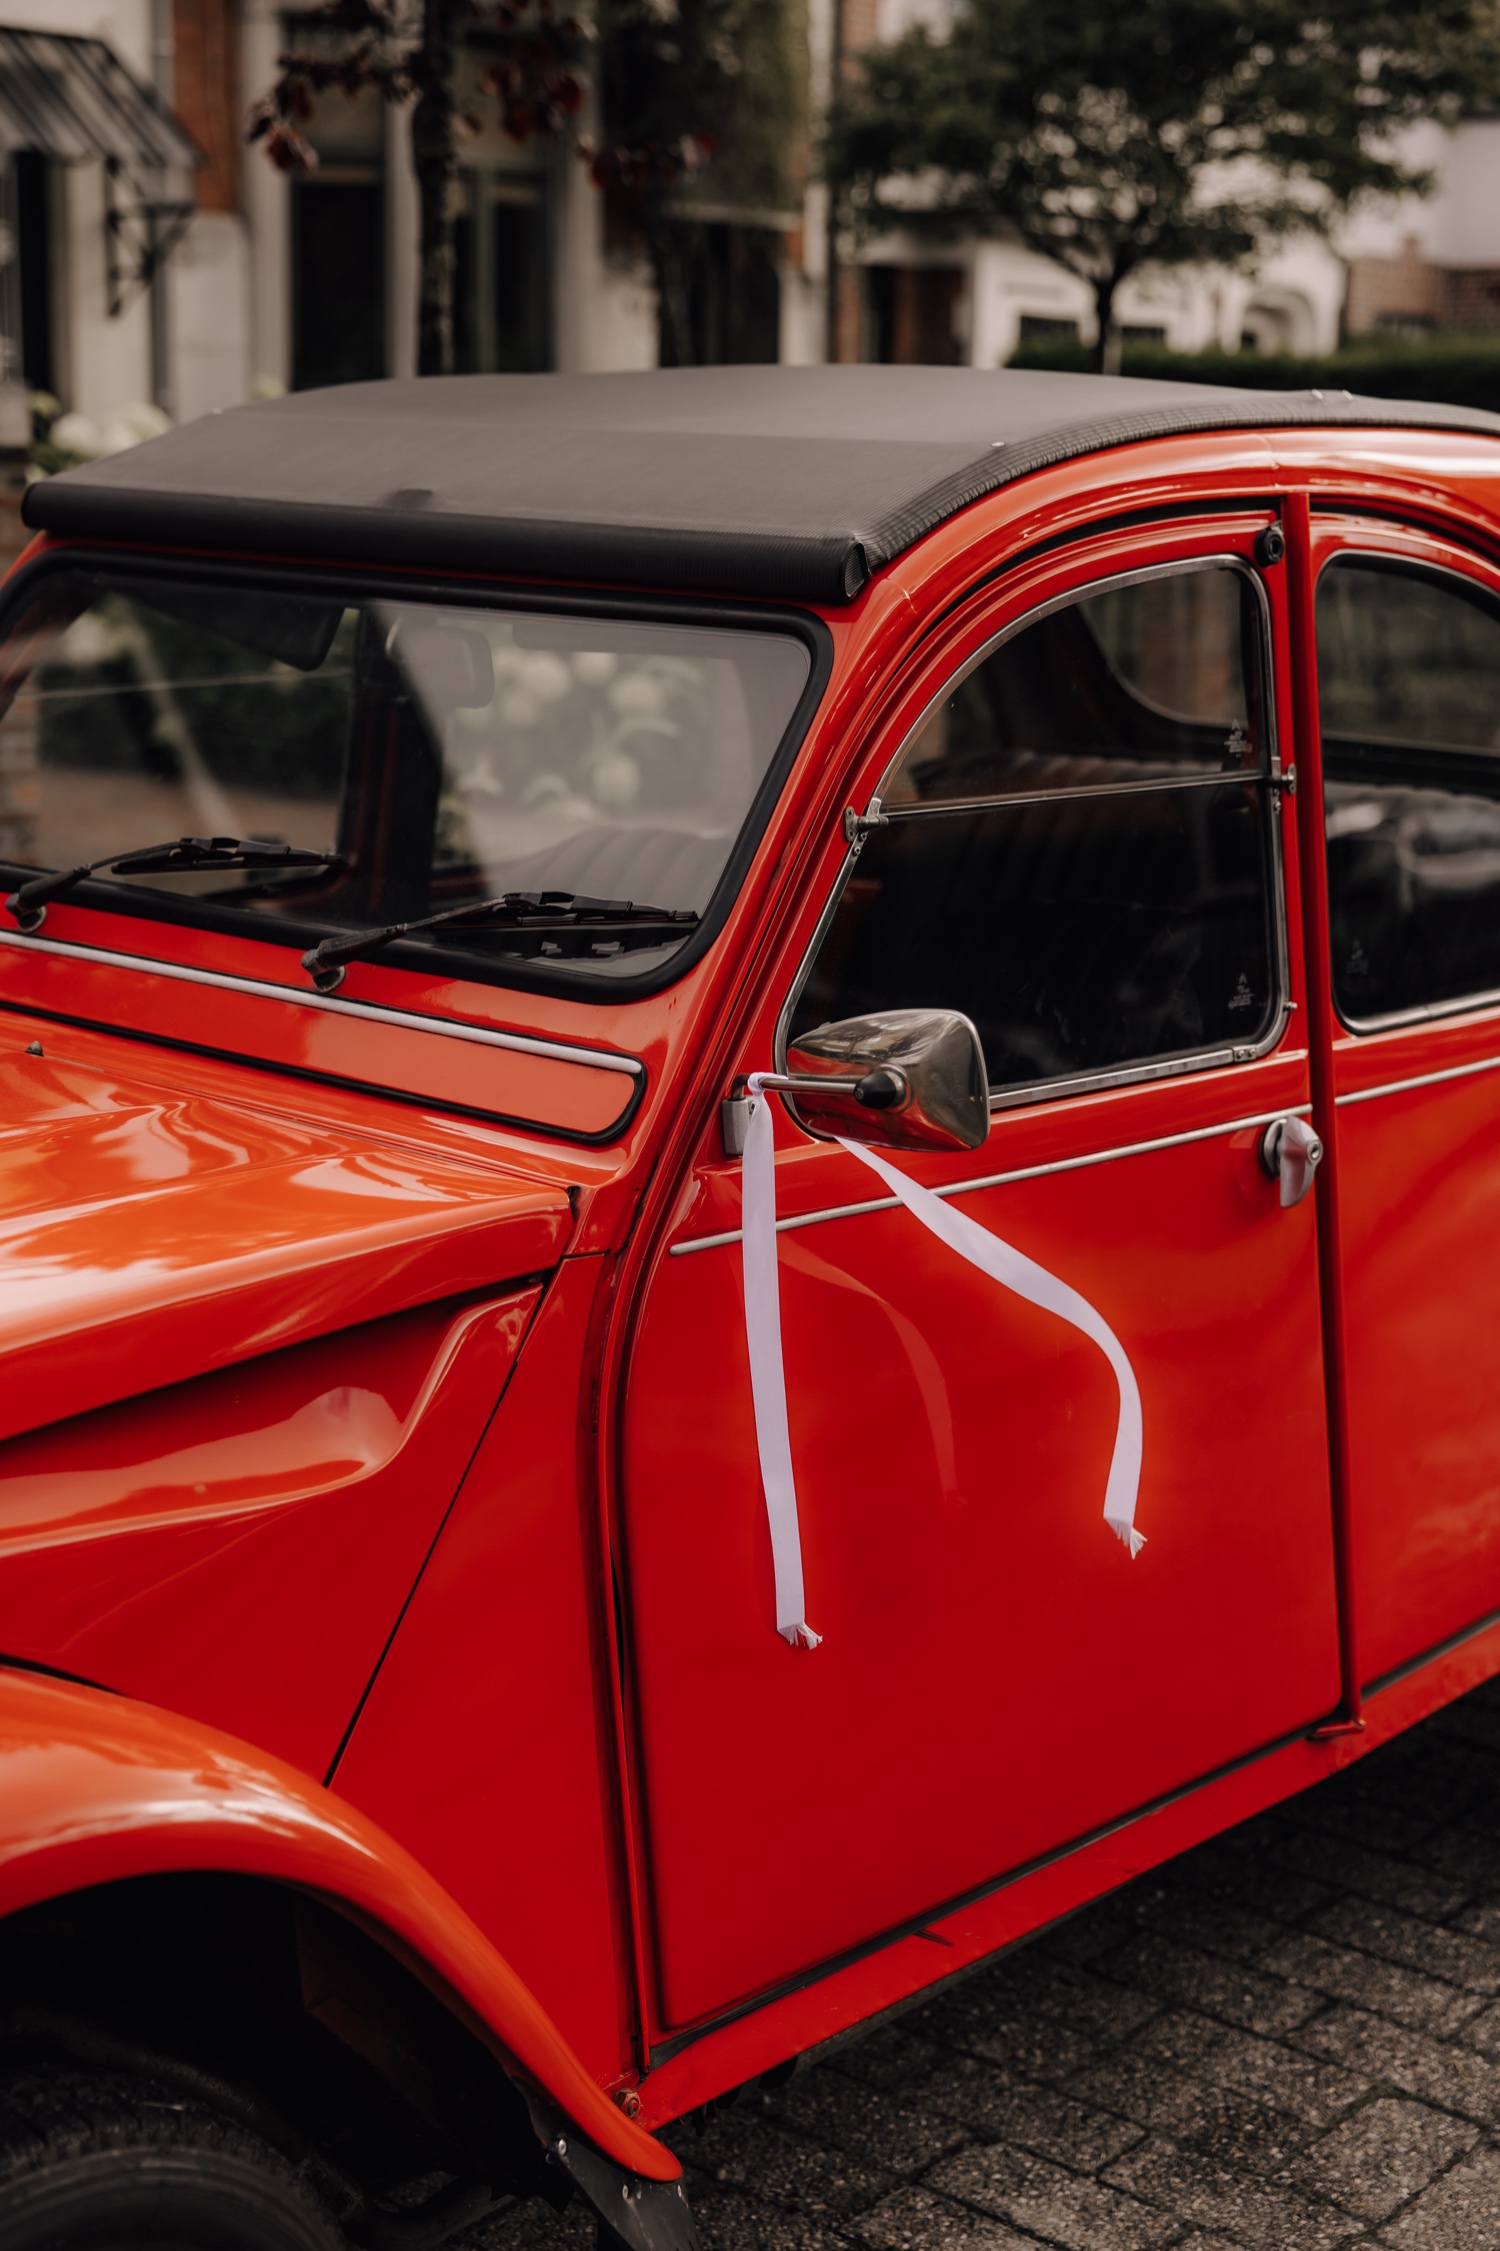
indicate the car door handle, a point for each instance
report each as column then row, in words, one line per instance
column 1291, row 1152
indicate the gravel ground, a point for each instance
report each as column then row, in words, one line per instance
column 1289, row 2039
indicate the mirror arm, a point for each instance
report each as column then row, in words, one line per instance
column 884, row 1088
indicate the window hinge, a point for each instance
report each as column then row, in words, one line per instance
column 857, row 826
column 1284, row 778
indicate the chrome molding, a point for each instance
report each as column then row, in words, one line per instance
column 1425, row 1078
column 370, row 1012
column 1007, row 1179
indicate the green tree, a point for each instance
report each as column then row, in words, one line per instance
column 678, row 81
column 1111, row 136
column 533, row 68
column 696, row 93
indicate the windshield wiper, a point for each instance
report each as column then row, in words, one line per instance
column 187, row 855
column 563, row 922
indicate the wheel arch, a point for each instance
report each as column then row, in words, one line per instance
column 96, row 1790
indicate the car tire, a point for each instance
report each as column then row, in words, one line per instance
column 99, row 2162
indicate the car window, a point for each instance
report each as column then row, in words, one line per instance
column 1075, row 851
column 442, row 753
column 1409, row 690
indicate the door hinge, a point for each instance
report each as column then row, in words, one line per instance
column 857, row 826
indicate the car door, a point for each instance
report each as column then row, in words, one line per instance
column 1408, row 636
column 1069, row 831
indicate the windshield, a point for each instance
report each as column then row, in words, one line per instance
column 438, row 753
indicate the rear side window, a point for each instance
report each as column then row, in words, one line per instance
column 1076, row 850
column 1409, row 689
column 442, row 754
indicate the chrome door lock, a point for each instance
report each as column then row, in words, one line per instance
column 1291, row 1152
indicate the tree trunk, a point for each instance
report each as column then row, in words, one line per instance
column 1107, row 342
column 433, row 160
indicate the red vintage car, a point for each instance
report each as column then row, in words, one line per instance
column 751, row 1168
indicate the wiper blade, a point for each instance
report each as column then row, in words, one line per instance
column 187, row 854
column 553, row 915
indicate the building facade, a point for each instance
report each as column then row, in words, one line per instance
column 153, row 257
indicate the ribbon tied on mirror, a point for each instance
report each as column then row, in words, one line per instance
column 980, row 1248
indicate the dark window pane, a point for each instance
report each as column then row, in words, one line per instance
column 338, row 281
column 1080, row 935
column 449, row 753
column 1409, row 685
column 1140, row 681
column 1121, row 915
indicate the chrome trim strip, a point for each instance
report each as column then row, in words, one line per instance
column 1426, row 1078
column 1005, row 1179
column 933, row 808
column 369, row 1011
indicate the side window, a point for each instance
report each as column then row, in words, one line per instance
column 1077, row 848
column 1409, row 685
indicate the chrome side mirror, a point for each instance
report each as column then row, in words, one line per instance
column 911, row 1078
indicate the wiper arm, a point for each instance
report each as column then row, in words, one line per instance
column 597, row 923
column 188, row 853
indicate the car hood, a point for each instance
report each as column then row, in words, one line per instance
column 149, row 1234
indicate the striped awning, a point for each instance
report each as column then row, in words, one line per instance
column 75, row 101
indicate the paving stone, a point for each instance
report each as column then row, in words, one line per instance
column 1193, row 2113
column 1213, row 1926
column 1461, row 2212
column 916, row 2220
column 1247, row 1997
column 1483, row 2032
column 1388, row 2151
column 1049, row 2202
column 753, row 2154
column 1034, row 2118
column 897, row 2132
column 533, row 2227
column 1417, row 1945
column 1225, row 1870
column 728, row 2220
column 1042, row 2020
column 892, row 2056
column 1439, row 2071
column 1290, row 2081
column 1427, row 2004
column 1266, row 2213
column 1343, row 1867
column 1083, row 1938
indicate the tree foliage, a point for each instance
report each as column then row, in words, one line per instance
column 534, row 61
column 680, row 84
column 696, row 96
column 1109, row 136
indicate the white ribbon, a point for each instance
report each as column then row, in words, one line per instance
column 1014, row 1271
column 1004, row 1264
column 767, row 1371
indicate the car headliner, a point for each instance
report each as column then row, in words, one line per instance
column 795, row 482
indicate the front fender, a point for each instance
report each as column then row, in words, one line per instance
column 94, row 1788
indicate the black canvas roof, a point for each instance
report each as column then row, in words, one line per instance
column 797, row 482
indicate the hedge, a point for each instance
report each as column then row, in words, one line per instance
column 1460, row 370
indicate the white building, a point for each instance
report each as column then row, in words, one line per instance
column 278, row 282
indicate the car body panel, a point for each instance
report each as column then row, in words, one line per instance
column 238, row 1547
column 556, row 1765
column 151, row 1235
column 95, row 1788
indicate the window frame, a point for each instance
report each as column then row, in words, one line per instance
column 1395, row 566
column 361, row 583
column 1269, row 777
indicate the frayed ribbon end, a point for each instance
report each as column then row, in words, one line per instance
column 1129, row 1538
column 800, row 1636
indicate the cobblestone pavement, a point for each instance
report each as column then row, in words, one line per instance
column 1289, row 2039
